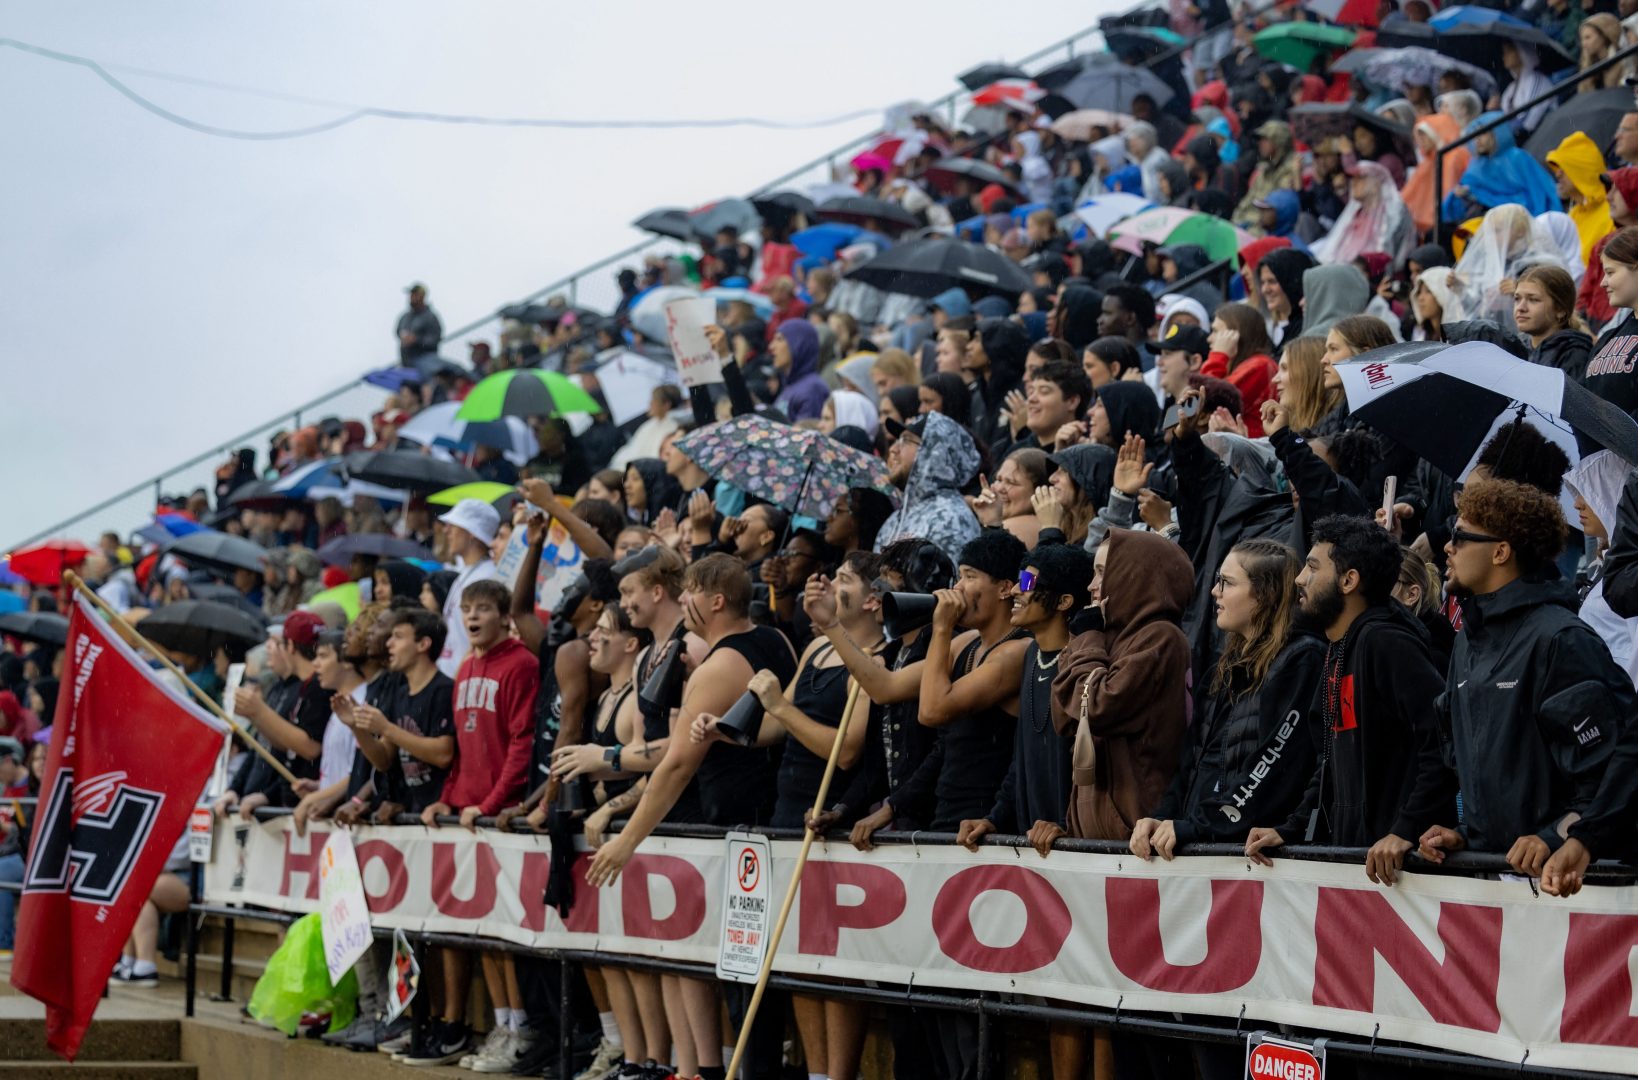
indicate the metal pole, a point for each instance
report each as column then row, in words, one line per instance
column 228, row 932
column 983, row 1043
column 190, row 973
column 565, row 1019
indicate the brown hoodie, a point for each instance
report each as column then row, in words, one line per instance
column 1129, row 682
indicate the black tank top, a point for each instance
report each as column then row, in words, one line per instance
column 977, row 752
column 736, row 782
column 821, row 693
column 606, row 733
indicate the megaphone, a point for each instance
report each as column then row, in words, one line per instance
column 905, row 612
column 743, row 720
column 663, row 691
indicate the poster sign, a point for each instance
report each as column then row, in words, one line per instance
column 747, row 917
column 685, row 321
column 201, row 827
column 406, row 977
column 1271, row 1058
column 343, row 911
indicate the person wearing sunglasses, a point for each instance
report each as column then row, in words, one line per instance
column 1534, row 706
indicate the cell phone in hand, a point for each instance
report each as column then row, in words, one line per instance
column 1390, row 491
column 1189, row 406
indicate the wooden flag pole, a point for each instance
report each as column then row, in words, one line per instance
column 790, row 890
column 204, row 699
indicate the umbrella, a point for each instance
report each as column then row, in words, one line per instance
column 987, row 120
column 431, row 365
column 984, row 74
column 438, row 425
column 1101, row 81
column 218, row 551
column 1480, row 45
column 1312, row 123
column 44, row 563
column 1461, row 15
column 406, row 470
column 1300, row 43
column 780, row 207
column 731, row 213
column 1345, row 12
column 394, row 379
column 870, row 161
column 346, row 596
column 1105, row 211
column 525, row 392
column 1597, row 113
column 1411, row 65
column 299, row 482
column 826, row 238
column 869, row 212
column 547, row 314
column 11, row 602
column 1010, row 91
column 1444, row 404
column 340, row 551
column 943, row 175
column 487, row 490
column 647, row 314
column 723, row 294
column 1175, row 225
column 797, row 468
column 197, row 627
column 219, row 593
column 41, row 627
column 929, row 267
column 672, row 221
column 1141, row 44
column 1078, row 125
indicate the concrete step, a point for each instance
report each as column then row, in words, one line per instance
column 224, row 1047
column 98, row 1070
column 22, row 1039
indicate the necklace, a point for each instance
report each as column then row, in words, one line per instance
column 1039, row 718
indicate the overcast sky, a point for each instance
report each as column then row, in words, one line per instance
column 163, row 290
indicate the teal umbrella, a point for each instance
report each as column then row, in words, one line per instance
column 1299, row 43
column 525, row 392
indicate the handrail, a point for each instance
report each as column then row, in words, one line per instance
column 1556, row 91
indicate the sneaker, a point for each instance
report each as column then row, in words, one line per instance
column 127, row 977
column 371, row 1035
column 345, row 1037
column 400, row 1043
column 417, row 1045
column 498, row 1054
column 496, row 1036
column 446, row 1043
column 606, row 1062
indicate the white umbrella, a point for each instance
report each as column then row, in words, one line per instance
column 1106, row 211
column 437, row 426
column 648, row 313
column 628, row 380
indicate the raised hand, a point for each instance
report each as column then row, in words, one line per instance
column 1047, row 508
column 1131, row 470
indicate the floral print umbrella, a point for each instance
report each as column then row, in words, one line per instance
column 801, row 470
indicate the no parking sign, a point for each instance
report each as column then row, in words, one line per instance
column 746, row 918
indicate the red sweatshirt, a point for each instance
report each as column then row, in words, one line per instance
column 494, row 728
column 1254, row 378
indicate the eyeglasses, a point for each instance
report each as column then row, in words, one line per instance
column 1458, row 537
column 1026, row 581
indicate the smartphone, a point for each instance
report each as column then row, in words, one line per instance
column 1390, row 489
column 1189, row 406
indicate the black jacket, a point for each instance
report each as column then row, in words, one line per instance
column 1249, row 758
column 1376, row 738
column 1567, row 350
column 1531, row 713
column 1321, row 491
column 1611, row 371
column 1621, row 560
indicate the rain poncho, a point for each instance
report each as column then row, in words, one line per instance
column 1418, row 191
column 1529, row 85
column 933, row 507
column 1579, row 158
column 1378, row 222
column 1509, row 175
column 1037, row 173
column 1283, row 170
column 1561, row 227
column 1508, row 242
column 803, row 397
column 853, row 409
column 1598, row 479
column 1333, row 291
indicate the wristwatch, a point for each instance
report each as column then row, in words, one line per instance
column 611, row 756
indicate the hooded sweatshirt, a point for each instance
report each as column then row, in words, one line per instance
column 1567, row 350
column 1334, row 292
column 660, row 489
column 803, row 397
column 1287, row 209
column 1289, row 268
column 494, row 727
column 1578, row 157
column 1191, row 258
column 933, row 508
column 1078, row 309
column 1122, row 692
column 855, row 375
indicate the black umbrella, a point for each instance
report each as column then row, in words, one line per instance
column 929, row 267
column 780, row 207
column 259, row 495
column 1139, row 44
column 41, row 627
column 1597, row 113
column 431, row 365
column 943, row 174
column 224, row 594
column 197, row 627
column 406, row 470
column 1479, row 45
column 879, row 214
column 340, row 551
column 1312, row 123
column 548, row 314
column 218, row 551
column 981, row 76
column 731, row 213
column 669, row 221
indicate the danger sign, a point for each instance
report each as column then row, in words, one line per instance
column 1268, row 1058
column 746, row 918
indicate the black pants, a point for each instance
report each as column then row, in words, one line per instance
column 765, row 1054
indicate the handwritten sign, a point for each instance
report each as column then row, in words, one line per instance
column 746, row 914
column 343, row 912
column 404, row 978
column 685, row 321
column 560, row 560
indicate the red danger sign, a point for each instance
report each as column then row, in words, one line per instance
column 1273, row 1061
column 748, row 870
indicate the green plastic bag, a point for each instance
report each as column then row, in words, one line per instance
column 297, row 981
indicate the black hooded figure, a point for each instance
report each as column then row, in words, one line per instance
column 1078, row 311
column 660, row 490
column 1007, row 345
column 1288, row 265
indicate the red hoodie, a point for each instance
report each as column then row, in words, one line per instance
column 494, row 728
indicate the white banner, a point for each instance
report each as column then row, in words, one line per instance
column 1480, row 967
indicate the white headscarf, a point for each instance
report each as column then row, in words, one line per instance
column 853, row 409
column 1562, row 229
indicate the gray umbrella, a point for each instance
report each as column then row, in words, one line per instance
column 1101, row 81
column 197, row 627
column 42, row 627
column 219, row 551
column 340, row 551
column 406, row 470
column 1598, row 113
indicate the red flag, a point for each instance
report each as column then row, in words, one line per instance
column 129, row 757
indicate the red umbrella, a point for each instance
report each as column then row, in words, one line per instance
column 1009, row 91
column 44, row 564
column 1345, row 12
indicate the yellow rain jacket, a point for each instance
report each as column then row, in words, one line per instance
column 1580, row 160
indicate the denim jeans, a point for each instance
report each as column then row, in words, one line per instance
column 11, row 873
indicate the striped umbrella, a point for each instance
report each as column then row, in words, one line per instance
column 525, row 392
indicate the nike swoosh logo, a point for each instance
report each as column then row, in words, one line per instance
column 1461, row 684
column 1584, row 721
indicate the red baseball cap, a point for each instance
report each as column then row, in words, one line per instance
column 302, row 628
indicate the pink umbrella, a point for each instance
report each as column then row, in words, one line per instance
column 871, row 160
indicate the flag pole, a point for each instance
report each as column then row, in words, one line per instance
column 204, row 699
column 790, row 889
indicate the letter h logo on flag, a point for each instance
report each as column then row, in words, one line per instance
column 129, row 756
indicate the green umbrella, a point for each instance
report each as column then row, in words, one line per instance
column 526, row 392
column 1298, row 43
column 486, row 490
column 1174, row 225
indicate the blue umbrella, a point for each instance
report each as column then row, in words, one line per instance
column 1472, row 15
column 296, row 483
column 826, row 239
column 763, row 306
column 394, row 378
column 166, row 527
column 10, row 602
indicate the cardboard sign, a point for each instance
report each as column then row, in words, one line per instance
column 343, row 912
column 685, row 321
column 628, row 380
column 747, row 908
column 201, row 827
column 405, row 977
column 1271, row 1058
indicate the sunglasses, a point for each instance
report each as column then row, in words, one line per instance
column 1026, row 581
column 1459, row 537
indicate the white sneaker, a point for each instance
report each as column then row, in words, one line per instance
column 496, row 1036
column 497, row 1056
column 607, row 1061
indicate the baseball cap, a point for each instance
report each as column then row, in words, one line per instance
column 412, row 286
column 10, row 748
column 476, row 517
column 915, row 426
column 302, row 628
column 1189, row 339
